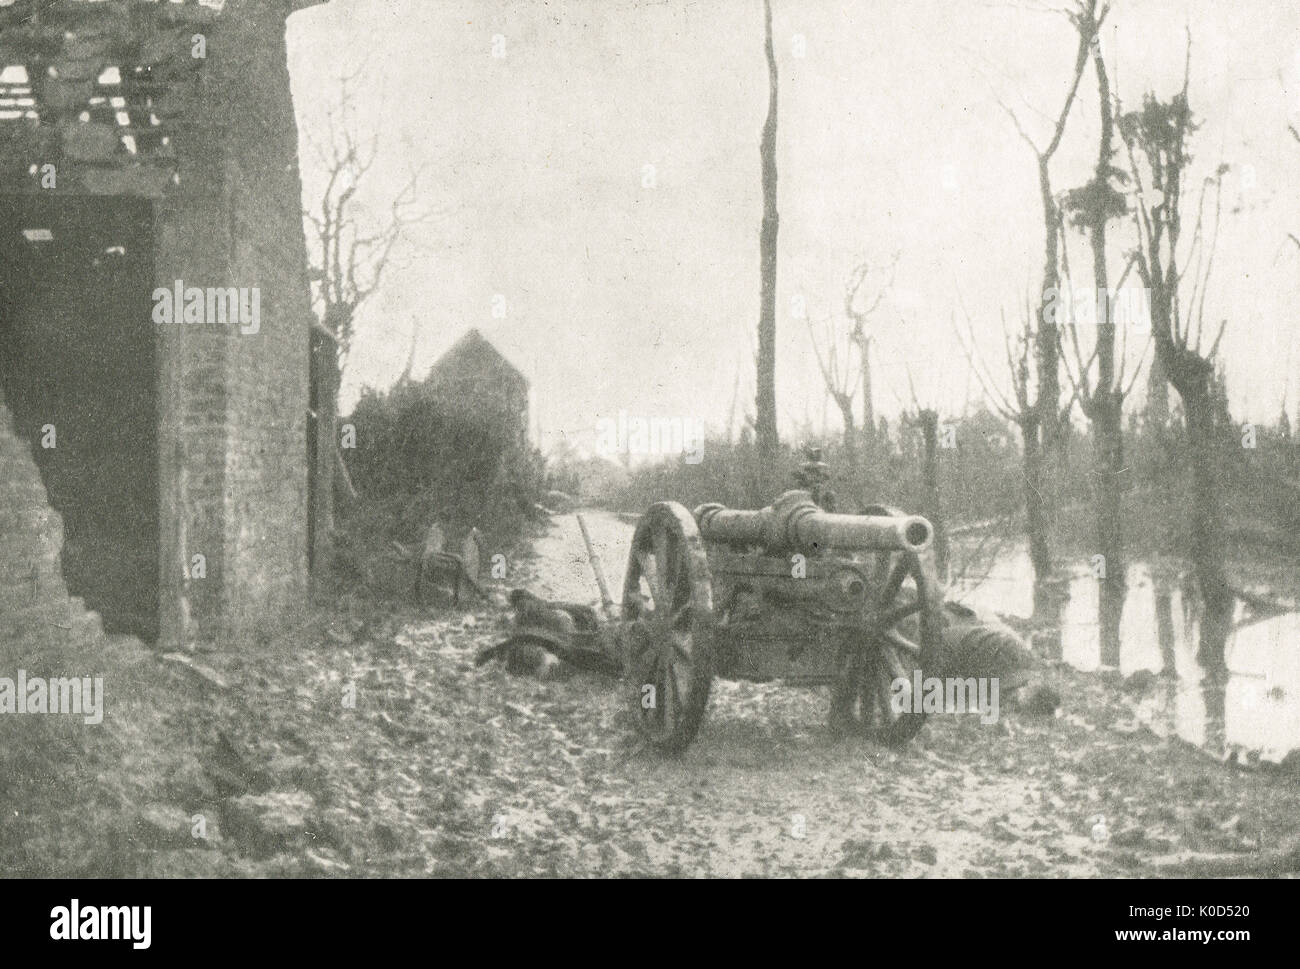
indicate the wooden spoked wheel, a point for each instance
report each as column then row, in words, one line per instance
column 902, row 633
column 668, row 614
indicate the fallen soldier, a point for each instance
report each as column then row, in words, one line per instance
column 982, row 646
column 545, row 636
column 549, row 639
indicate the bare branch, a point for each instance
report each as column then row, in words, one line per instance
column 1214, row 347
column 907, row 368
column 352, row 249
column 1137, row 371
column 1209, row 264
column 996, row 399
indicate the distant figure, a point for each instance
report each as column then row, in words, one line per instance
column 814, row 476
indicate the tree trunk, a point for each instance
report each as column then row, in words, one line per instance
column 845, row 404
column 1214, row 694
column 930, row 477
column 1208, row 531
column 1040, row 429
column 1164, row 593
column 1035, row 519
column 1193, row 377
column 1157, row 395
column 765, row 403
column 323, row 447
column 1106, row 406
column 868, row 405
column 1108, row 443
column 1047, row 335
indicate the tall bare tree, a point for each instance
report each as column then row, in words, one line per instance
column 1091, row 208
column 350, row 248
column 1087, row 21
column 1156, row 136
column 861, row 301
column 765, row 396
column 1031, row 398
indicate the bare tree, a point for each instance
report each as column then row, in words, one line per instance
column 927, row 419
column 860, row 304
column 1030, row 396
column 350, row 248
column 1156, row 136
column 836, row 365
column 1019, row 405
column 1087, row 21
column 765, row 396
column 1090, row 208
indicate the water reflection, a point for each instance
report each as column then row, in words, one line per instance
column 1256, row 711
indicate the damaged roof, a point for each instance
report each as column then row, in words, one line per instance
column 96, row 87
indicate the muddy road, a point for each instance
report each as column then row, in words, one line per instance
column 368, row 743
column 765, row 789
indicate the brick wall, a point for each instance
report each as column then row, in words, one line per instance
column 232, row 461
column 33, row 598
column 267, row 373
column 234, row 421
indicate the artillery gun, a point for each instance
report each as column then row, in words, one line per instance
column 792, row 591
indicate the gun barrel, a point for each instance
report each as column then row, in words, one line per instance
column 795, row 523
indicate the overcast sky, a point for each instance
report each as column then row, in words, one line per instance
column 644, row 297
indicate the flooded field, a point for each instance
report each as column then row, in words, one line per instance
column 1255, row 714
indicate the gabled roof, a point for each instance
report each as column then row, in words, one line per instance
column 474, row 355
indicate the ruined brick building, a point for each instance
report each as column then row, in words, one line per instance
column 145, row 142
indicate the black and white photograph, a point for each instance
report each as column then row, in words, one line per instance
column 650, row 439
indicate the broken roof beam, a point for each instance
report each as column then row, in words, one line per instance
column 115, row 82
column 61, row 15
column 149, row 181
column 74, row 15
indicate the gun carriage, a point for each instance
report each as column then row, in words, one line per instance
column 792, row 592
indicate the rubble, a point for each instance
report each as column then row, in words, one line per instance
column 267, row 824
column 162, row 826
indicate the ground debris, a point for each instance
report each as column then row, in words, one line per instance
column 436, row 768
column 268, row 824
